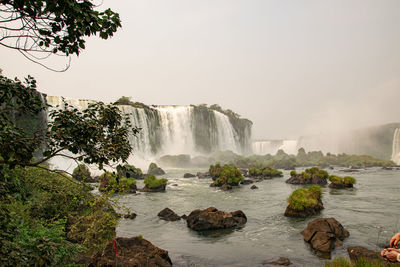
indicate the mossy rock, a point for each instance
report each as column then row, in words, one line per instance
column 341, row 182
column 155, row 170
column 130, row 171
column 305, row 202
column 225, row 175
column 152, row 184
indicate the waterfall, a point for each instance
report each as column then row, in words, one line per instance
column 272, row 146
column 226, row 135
column 176, row 129
column 396, row 147
column 172, row 130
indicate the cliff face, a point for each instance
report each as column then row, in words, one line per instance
column 181, row 129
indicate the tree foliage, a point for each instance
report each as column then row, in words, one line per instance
column 40, row 28
column 95, row 135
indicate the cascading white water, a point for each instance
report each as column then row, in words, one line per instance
column 176, row 129
column 226, row 135
column 396, row 147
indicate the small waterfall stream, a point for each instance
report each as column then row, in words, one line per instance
column 396, row 147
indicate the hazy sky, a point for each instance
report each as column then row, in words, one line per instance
column 293, row 67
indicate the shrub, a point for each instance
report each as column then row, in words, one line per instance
column 81, row 173
column 109, row 183
column 307, row 197
column 152, row 182
column 230, row 175
column 130, row 171
column 293, row 173
column 316, row 172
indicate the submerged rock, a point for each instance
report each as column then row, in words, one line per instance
column 155, row 170
column 253, row 187
column 131, row 252
column 168, row 215
column 131, row 216
column 212, row 219
column 281, row 261
column 203, row 175
column 324, row 234
column 188, row 175
column 357, row 252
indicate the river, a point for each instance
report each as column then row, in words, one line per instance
column 370, row 212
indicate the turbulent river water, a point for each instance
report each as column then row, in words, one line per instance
column 370, row 212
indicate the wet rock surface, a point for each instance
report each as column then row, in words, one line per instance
column 324, row 234
column 212, row 219
column 168, row 215
column 131, row 252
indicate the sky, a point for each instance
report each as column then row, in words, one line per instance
column 292, row 67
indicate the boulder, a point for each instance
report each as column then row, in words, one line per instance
column 212, row 219
column 168, row 215
column 155, row 170
column 357, row 252
column 188, row 175
column 203, row 175
column 324, row 234
column 289, row 212
column 131, row 216
column 253, row 187
column 281, row 261
column 130, row 252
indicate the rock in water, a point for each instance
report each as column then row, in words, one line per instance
column 306, row 212
column 203, row 175
column 253, row 187
column 188, row 175
column 131, row 216
column 134, row 251
column 225, row 187
column 155, row 170
column 357, row 252
column 281, row 261
column 324, row 234
column 168, row 215
column 212, row 219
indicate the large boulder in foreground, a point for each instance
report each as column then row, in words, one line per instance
column 131, row 252
column 168, row 215
column 212, row 219
column 324, row 234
